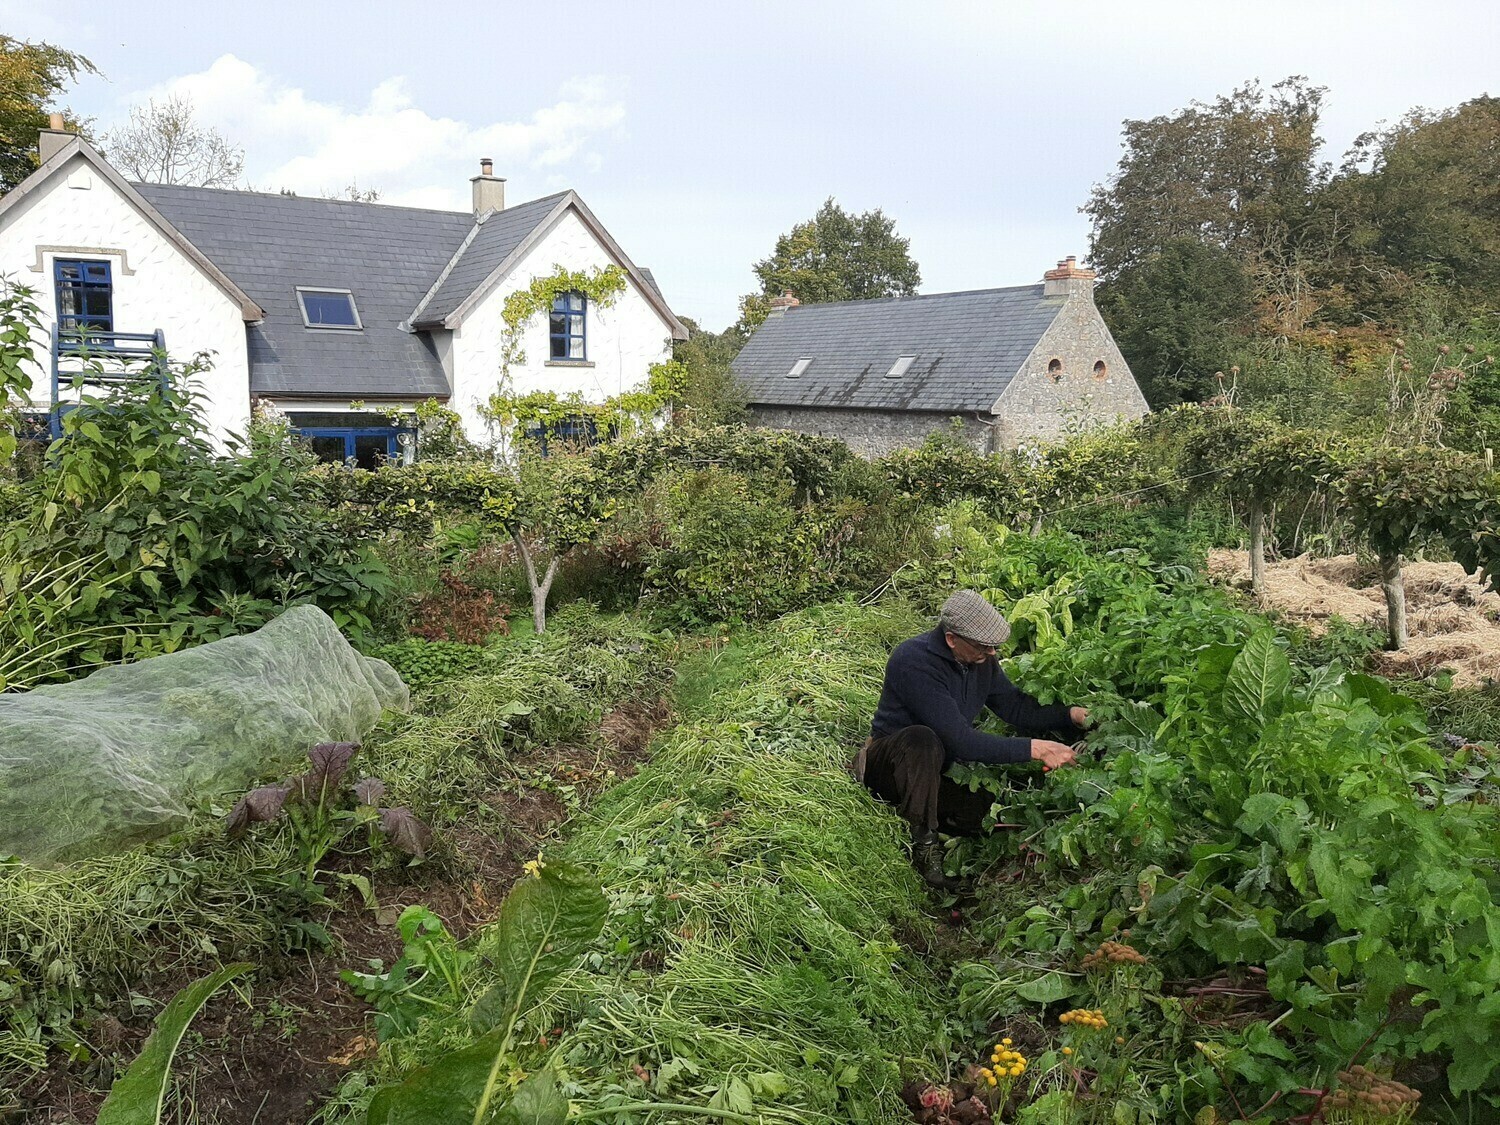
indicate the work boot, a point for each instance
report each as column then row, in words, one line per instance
column 927, row 857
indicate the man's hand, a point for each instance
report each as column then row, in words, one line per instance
column 1080, row 717
column 1051, row 754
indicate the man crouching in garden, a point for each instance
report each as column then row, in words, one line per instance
column 935, row 686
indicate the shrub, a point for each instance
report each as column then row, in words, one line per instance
column 206, row 543
column 423, row 664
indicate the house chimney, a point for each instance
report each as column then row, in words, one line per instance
column 780, row 304
column 53, row 138
column 1067, row 279
column 489, row 189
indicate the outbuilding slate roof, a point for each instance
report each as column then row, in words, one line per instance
column 967, row 346
column 388, row 257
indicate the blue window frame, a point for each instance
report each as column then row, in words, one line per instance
column 576, row 431
column 569, row 326
column 329, row 308
column 85, row 296
column 367, row 447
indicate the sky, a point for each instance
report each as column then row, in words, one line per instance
column 698, row 132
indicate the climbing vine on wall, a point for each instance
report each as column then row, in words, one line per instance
column 602, row 287
column 541, row 412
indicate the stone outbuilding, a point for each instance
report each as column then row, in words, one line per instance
column 1016, row 365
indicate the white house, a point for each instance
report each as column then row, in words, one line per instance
column 340, row 313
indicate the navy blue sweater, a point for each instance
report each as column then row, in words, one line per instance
column 925, row 686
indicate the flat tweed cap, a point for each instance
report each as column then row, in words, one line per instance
column 971, row 617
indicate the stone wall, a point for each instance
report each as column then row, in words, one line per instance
column 871, row 433
column 1091, row 384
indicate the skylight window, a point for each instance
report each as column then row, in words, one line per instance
column 901, row 366
column 799, row 367
column 328, row 308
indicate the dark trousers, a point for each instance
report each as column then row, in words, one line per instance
column 905, row 769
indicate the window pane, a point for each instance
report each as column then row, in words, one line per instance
column 329, row 309
column 328, row 448
column 575, row 350
column 559, row 323
column 575, row 324
column 560, row 302
column 69, row 271
column 370, row 450
column 559, row 347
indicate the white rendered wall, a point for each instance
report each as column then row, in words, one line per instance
column 623, row 341
column 155, row 284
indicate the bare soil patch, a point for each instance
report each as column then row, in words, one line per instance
column 1454, row 623
column 274, row 1051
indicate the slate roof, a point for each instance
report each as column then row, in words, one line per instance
column 493, row 241
column 967, row 345
column 270, row 244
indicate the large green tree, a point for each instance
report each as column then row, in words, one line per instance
column 32, row 75
column 1421, row 201
column 1240, row 174
column 836, row 256
column 1175, row 316
column 710, row 397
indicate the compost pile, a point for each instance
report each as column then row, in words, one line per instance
column 1454, row 622
column 124, row 754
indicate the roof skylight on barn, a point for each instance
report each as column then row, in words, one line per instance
column 901, row 366
column 799, row 367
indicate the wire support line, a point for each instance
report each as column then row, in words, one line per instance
column 1134, row 491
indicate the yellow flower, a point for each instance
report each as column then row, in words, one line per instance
column 533, row 867
column 1015, row 1071
column 1067, row 1050
column 1005, row 1042
column 993, row 1081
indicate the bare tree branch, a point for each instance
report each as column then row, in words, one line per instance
column 165, row 144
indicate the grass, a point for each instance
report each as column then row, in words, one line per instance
column 755, row 890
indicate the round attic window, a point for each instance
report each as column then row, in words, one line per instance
column 1101, row 369
column 1055, row 369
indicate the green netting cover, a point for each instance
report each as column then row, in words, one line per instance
column 122, row 755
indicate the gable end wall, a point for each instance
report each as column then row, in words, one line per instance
column 78, row 208
column 1035, row 407
column 624, row 340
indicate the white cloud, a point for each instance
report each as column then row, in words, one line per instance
column 294, row 141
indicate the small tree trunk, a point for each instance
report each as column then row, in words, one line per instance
column 1258, row 547
column 539, row 590
column 1395, row 598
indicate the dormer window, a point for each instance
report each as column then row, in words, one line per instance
column 799, row 367
column 901, row 366
column 328, row 308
